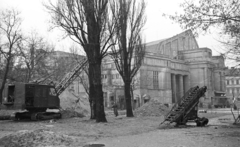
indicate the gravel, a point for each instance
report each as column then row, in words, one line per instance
column 35, row 138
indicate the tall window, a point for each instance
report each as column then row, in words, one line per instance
column 155, row 80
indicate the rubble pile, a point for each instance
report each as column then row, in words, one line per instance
column 152, row 108
column 36, row 138
column 69, row 113
column 5, row 115
column 73, row 103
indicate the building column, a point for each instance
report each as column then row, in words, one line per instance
column 207, row 81
column 224, row 82
column 168, row 79
column 173, row 86
column 177, row 88
column 186, row 83
column 221, row 86
column 206, row 77
column 211, row 79
column 181, row 92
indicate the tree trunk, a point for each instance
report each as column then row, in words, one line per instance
column 4, row 78
column 132, row 96
column 28, row 76
column 92, row 109
column 92, row 98
column 97, row 83
column 92, row 101
column 127, row 91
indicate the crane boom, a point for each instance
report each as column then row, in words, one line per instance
column 70, row 77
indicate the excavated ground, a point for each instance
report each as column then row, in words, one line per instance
column 140, row 131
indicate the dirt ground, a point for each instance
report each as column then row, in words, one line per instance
column 140, row 131
column 143, row 130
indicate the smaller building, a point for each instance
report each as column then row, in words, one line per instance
column 232, row 82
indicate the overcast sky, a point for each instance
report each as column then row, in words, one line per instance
column 157, row 27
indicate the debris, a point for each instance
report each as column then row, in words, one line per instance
column 52, row 121
column 69, row 113
column 36, row 138
column 79, row 104
column 5, row 117
column 152, row 108
column 6, row 114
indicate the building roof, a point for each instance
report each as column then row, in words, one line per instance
column 154, row 45
column 232, row 72
column 155, row 42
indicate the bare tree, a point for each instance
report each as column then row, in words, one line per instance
column 33, row 51
column 129, row 52
column 223, row 15
column 10, row 34
column 86, row 23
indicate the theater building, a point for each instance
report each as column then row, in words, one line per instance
column 171, row 66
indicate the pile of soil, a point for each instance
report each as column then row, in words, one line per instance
column 69, row 113
column 5, row 115
column 36, row 138
column 79, row 104
column 152, row 108
column 4, row 112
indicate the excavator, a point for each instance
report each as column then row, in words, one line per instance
column 187, row 110
column 34, row 98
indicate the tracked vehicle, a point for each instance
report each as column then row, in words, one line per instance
column 34, row 98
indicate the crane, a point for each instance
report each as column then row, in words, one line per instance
column 35, row 98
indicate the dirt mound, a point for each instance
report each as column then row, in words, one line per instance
column 5, row 115
column 36, row 138
column 152, row 108
column 69, row 113
column 79, row 104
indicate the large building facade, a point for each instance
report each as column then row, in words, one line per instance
column 171, row 66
